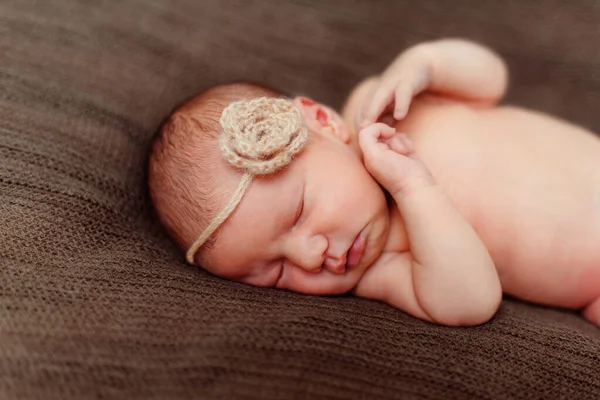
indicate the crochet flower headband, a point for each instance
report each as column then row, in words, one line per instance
column 259, row 136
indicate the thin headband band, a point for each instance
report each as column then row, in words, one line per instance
column 259, row 136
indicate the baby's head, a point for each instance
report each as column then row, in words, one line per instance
column 312, row 224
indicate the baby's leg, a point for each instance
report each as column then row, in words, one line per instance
column 592, row 312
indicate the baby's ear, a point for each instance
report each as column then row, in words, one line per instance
column 320, row 118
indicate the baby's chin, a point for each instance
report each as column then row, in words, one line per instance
column 322, row 283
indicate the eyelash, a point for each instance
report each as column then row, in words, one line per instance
column 300, row 209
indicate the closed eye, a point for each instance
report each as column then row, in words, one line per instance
column 299, row 208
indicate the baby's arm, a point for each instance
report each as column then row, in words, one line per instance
column 451, row 67
column 447, row 276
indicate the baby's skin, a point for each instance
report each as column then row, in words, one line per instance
column 450, row 202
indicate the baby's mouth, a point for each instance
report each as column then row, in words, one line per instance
column 355, row 251
column 337, row 266
column 349, row 259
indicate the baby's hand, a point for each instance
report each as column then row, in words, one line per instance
column 407, row 76
column 389, row 157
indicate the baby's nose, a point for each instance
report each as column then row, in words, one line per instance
column 336, row 265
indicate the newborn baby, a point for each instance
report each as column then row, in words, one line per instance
column 469, row 201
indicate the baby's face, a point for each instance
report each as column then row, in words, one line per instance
column 313, row 228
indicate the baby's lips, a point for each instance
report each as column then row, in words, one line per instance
column 336, row 266
column 356, row 250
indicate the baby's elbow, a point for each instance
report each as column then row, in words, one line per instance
column 479, row 309
column 471, row 317
column 475, row 316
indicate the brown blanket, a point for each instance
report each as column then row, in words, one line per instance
column 96, row 302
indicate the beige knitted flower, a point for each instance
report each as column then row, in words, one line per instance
column 260, row 136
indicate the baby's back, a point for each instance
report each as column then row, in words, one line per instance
column 530, row 186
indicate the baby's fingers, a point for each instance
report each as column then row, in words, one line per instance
column 369, row 137
column 400, row 144
column 373, row 109
column 403, row 98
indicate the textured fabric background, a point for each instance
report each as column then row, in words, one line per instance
column 95, row 301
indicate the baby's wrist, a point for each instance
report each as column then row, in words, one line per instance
column 412, row 187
